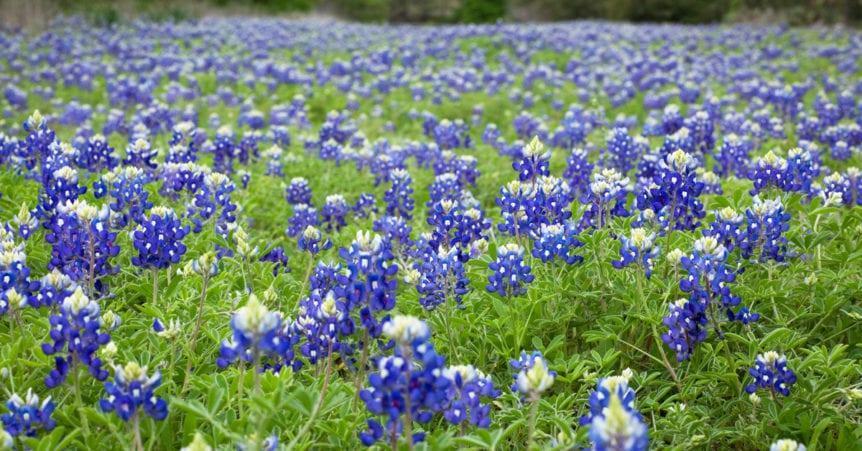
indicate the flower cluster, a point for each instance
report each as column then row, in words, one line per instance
column 532, row 375
column 258, row 333
column 159, row 239
column 82, row 242
column 766, row 222
column 614, row 421
column 708, row 284
column 509, row 272
column 770, row 372
column 398, row 198
column 440, row 275
column 28, row 416
column 557, row 241
column 76, row 335
column 674, row 193
column 334, row 212
column 469, row 393
column 298, row 191
column 408, row 386
column 639, row 249
column 133, row 389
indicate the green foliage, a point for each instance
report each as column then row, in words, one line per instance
column 476, row 11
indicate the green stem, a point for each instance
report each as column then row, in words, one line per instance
column 79, row 401
column 534, row 410
column 195, row 333
column 155, row 286
column 136, row 433
column 318, row 405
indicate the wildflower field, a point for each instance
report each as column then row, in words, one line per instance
column 267, row 234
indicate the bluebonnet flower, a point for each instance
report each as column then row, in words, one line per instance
column 398, row 198
column 711, row 181
column 846, row 188
column 331, row 150
column 76, row 334
column 615, row 424
column 452, row 134
column 366, row 205
column 455, row 224
column 130, row 199
column 274, row 163
column 551, row 202
column 25, row 222
column 256, row 333
column 639, row 249
column 214, row 197
column 298, row 191
column 184, row 144
column 516, row 202
column 16, row 288
column 686, row 322
column 727, row 228
column 82, row 243
column 674, row 193
column 708, row 284
column 159, row 239
column 606, row 198
column 464, row 167
column 599, row 399
column 802, row 168
column 38, row 142
column 225, row 150
column 334, row 212
column 840, row 151
column 97, row 155
column 618, row 429
column 244, row 178
column 702, row 132
column 439, row 276
column 671, row 120
column 574, row 128
column 622, row 152
column 407, row 386
column 170, row 332
column 733, row 156
column 303, row 216
column 769, row 171
column 27, row 417
column 396, row 232
column 133, row 389
column 787, row 444
column 325, row 322
column 557, row 241
column 534, row 161
column 468, row 388
column 532, row 375
column 770, row 372
column 277, row 256
column 54, row 287
column 766, row 223
column 371, row 282
column 509, row 272
column 58, row 187
column 179, row 178
column 140, row 154
column 578, row 171
column 312, row 241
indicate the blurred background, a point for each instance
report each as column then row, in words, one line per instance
column 35, row 13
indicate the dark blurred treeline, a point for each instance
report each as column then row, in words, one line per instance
column 681, row 11
column 794, row 12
